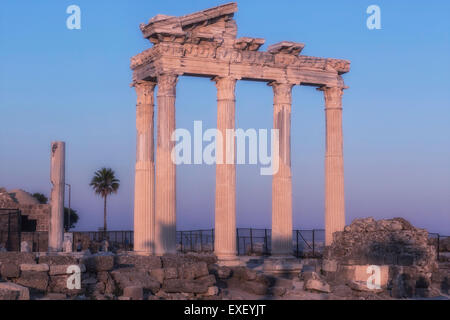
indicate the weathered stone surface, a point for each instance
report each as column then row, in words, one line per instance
column 255, row 288
column 317, row 285
column 8, row 289
column 170, row 273
column 9, row 270
column 55, row 296
column 138, row 261
column 33, row 280
column 212, row 291
column 362, row 286
column 209, row 280
column 62, row 269
column 181, row 285
column 58, row 284
column 130, row 277
column 98, row 263
column 193, row 270
column 17, row 258
column 134, row 292
column 9, row 294
column 58, row 260
column 223, row 272
column 41, row 267
column 277, row 291
column 158, row 274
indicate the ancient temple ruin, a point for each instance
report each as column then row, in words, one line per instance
column 204, row 44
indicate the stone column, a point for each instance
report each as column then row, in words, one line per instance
column 225, row 210
column 282, row 179
column 334, row 164
column 165, row 210
column 144, row 186
column 57, row 178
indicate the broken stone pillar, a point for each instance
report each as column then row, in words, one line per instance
column 144, row 187
column 282, row 180
column 57, row 177
column 165, row 184
column 225, row 206
column 334, row 164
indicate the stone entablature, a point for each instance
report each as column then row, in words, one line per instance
column 206, row 46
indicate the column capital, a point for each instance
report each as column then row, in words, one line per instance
column 333, row 96
column 167, row 84
column 226, row 86
column 282, row 92
column 144, row 92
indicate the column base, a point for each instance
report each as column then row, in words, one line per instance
column 228, row 260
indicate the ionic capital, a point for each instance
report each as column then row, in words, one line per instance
column 225, row 87
column 333, row 96
column 167, row 84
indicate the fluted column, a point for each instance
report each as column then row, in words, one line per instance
column 334, row 164
column 165, row 211
column 225, row 215
column 282, row 180
column 144, row 186
column 57, row 178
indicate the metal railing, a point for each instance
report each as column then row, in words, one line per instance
column 10, row 229
column 250, row 241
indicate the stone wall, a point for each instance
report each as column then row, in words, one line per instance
column 402, row 252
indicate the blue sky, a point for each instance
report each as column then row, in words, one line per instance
column 73, row 85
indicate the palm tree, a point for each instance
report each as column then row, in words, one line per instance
column 104, row 183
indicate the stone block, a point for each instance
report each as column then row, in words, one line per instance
column 9, row 270
column 9, row 294
column 55, row 270
column 34, row 280
column 23, row 292
column 255, row 288
column 158, row 274
column 98, row 263
column 41, row 267
column 317, row 285
column 58, row 284
column 209, row 280
column 329, row 265
column 170, row 273
column 134, row 292
column 187, row 286
column 58, row 259
column 17, row 257
column 212, row 291
column 138, row 261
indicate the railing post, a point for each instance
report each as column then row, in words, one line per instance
column 266, row 244
column 237, row 240
column 314, row 242
column 438, row 245
column 251, row 241
column 181, row 241
column 201, row 241
column 190, row 235
column 212, row 239
column 296, row 235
